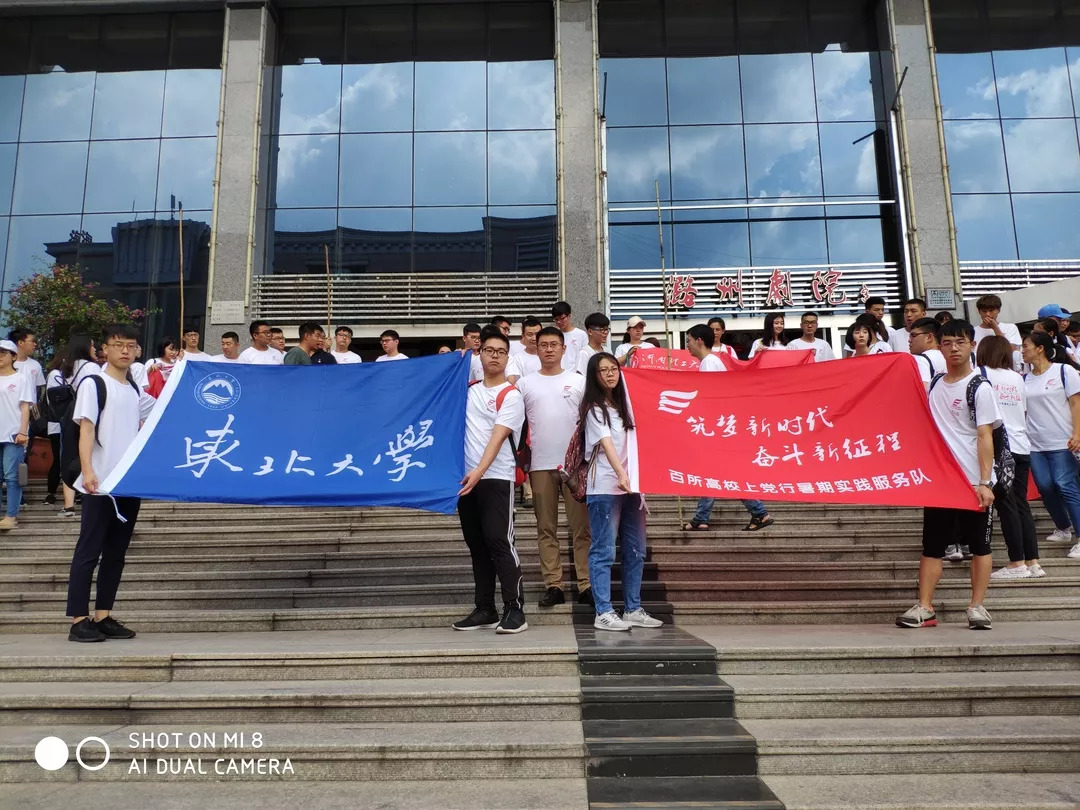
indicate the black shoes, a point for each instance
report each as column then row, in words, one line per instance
column 85, row 630
column 553, row 597
column 50, row 499
column 513, row 621
column 111, row 628
column 479, row 619
column 585, row 598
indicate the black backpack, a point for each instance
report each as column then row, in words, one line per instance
column 70, row 463
column 1004, row 463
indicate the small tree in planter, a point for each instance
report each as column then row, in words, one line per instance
column 57, row 302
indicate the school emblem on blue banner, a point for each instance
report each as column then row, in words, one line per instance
column 386, row 434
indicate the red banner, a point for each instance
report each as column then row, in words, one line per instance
column 851, row 431
column 682, row 360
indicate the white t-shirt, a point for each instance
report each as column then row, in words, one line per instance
column 15, row 389
column 1008, row 331
column 930, row 362
column 523, row 365
column 476, row 367
column 759, row 346
column 898, row 340
column 383, row 358
column 80, row 371
column 1049, row 420
column 516, row 348
column 481, row 419
column 197, row 355
column 711, row 362
column 266, row 357
column 584, row 356
column 948, row 404
column 574, row 340
column 881, row 347
column 118, row 424
column 551, row 406
column 1012, row 404
column 723, row 348
column 347, row 358
column 31, row 367
column 138, row 373
column 822, row 350
column 220, row 358
column 602, row 479
column 624, row 348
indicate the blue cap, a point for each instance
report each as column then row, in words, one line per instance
column 1053, row 311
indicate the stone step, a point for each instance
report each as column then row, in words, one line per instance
column 908, row 745
column 673, row 747
column 699, row 792
column 315, row 752
column 438, row 652
column 257, row 703
column 922, row 791
column 976, row 694
column 269, row 794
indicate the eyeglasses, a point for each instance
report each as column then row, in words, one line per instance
column 599, row 328
column 263, row 333
column 490, row 352
column 608, row 370
column 124, row 347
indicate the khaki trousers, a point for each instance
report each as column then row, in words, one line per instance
column 546, row 486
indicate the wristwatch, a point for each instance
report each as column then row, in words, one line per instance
column 987, row 484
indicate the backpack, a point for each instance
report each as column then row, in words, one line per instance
column 59, row 401
column 1004, row 463
column 929, row 362
column 574, row 471
column 522, row 451
column 70, row 463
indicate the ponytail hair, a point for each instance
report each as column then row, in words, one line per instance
column 1054, row 352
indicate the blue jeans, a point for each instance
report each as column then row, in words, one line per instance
column 1055, row 474
column 611, row 517
column 704, row 509
column 13, row 456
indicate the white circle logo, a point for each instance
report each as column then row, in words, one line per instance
column 78, row 753
column 217, row 391
column 51, row 753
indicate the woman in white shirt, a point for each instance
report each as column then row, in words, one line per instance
column 773, row 335
column 614, row 510
column 1052, row 390
column 635, row 330
column 867, row 336
column 994, row 358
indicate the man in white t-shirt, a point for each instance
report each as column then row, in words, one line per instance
column 699, row 342
column 26, row 344
column 989, row 307
column 923, row 345
column 191, row 345
column 260, row 352
column 17, row 396
column 969, row 436
column 107, row 523
column 342, row 355
column 575, row 338
column 597, row 329
column 470, row 339
column 552, row 401
column 138, row 369
column 502, row 323
column 230, row 349
column 389, row 341
column 809, row 340
column 875, row 306
column 530, row 326
column 718, row 326
column 494, row 416
column 914, row 310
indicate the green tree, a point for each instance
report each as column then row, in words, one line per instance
column 57, row 302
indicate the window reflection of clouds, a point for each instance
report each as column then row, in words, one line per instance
column 635, row 91
column 8, row 152
column 1033, row 83
column 377, row 98
column 11, row 101
column 843, row 86
column 976, row 156
column 122, row 176
column 777, row 87
column 1042, row 155
column 114, row 114
column 855, row 240
column 966, row 83
column 849, row 168
column 49, row 178
column 191, row 107
column 376, row 169
column 307, row 168
column 780, row 241
column 450, row 96
column 1046, row 225
column 56, row 106
column 984, row 227
column 782, row 160
column 637, row 157
column 712, row 244
column 707, row 162
column 704, row 91
column 310, row 96
column 521, row 168
column 521, row 95
column 187, row 170
column 450, row 168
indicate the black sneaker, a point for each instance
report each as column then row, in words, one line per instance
column 513, row 621
column 111, row 628
column 78, row 498
column 50, row 499
column 85, row 630
column 585, row 598
column 479, row 619
column 965, row 551
column 553, row 597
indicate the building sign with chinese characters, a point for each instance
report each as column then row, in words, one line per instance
column 386, row 434
column 859, row 432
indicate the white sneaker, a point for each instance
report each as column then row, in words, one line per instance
column 610, row 621
column 1074, row 552
column 1061, row 536
column 1020, row 572
column 1036, row 571
column 953, row 554
column 639, row 618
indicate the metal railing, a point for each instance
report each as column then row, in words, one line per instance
column 985, row 278
column 640, row 292
column 403, row 297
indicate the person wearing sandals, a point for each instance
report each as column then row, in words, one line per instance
column 615, row 511
column 994, row 358
column 772, row 337
column 699, row 342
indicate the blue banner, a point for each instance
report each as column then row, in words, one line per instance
column 371, row 434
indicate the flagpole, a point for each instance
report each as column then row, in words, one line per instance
column 667, row 331
column 326, row 254
column 180, row 225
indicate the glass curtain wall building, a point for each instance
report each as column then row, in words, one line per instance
column 1009, row 78
column 751, row 115
column 107, row 124
column 416, row 139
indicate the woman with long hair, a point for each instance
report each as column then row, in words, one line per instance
column 159, row 369
column 1051, row 327
column 632, row 339
column 866, row 336
column 53, row 482
column 772, row 337
column 614, row 509
column 77, row 363
column 995, row 362
column 1053, row 428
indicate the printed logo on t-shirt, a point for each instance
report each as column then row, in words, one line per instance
column 1051, row 383
column 490, row 405
column 11, row 387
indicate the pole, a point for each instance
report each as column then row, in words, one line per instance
column 667, row 332
column 180, row 225
column 326, row 254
